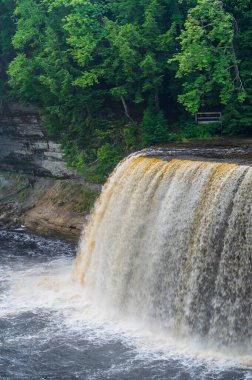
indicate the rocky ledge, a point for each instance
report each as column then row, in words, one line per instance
column 47, row 206
column 25, row 145
column 237, row 151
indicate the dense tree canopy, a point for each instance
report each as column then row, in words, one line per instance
column 110, row 76
column 7, row 30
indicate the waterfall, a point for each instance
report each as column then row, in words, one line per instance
column 171, row 243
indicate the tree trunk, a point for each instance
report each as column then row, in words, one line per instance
column 126, row 110
column 237, row 72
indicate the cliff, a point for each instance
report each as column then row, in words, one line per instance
column 37, row 189
column 25, row 146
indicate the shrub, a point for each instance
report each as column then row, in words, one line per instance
column 108, row 157
column 191, row 130
column 153, row 128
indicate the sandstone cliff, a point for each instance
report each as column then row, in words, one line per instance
column 25, row 146
column 37, row 189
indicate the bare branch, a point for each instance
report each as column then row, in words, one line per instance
column 126, row 110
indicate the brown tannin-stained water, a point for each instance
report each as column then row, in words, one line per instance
column 161, row 287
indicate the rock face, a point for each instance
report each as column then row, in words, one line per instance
column 56, row 207
column 24, row 145
column 237, row 151
column 51, row 206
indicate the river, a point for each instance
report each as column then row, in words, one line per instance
column 50, row 331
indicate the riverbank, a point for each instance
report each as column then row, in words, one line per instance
column 48, row 206
column 59, row 206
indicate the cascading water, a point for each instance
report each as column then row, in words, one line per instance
column 161, row 288
column 171, row 243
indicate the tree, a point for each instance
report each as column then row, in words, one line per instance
column 7, row 29
column 237, row 118
column 207, row 61
column 106, row 74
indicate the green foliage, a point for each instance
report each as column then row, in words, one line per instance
column 108, row 157
column 191, row 130
column 237, row 118
column 113, row 76
column 207, row 59
column 154, row 128
column 7, row 30
column 131, row 135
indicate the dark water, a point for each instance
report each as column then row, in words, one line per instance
column 233, row 151
column 48, row 332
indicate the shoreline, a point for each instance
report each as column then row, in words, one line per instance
column 60, row 207
column 49, row 207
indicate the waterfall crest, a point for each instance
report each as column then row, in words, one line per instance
column 171, row 243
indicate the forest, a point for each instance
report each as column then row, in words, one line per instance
column 113, row 76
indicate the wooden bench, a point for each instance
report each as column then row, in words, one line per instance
column 208, row 117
